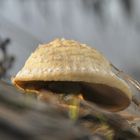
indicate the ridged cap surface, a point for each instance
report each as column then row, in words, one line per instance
column 68, row 60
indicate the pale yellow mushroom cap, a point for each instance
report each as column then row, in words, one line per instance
column 68, row 60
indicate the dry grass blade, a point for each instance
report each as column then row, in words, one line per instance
column 129, row 80
column 129, row 116
column 114, row 120
column 127, row 77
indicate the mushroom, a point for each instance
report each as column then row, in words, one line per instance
column 68, row 67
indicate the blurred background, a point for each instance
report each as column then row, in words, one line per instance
column 111, row 26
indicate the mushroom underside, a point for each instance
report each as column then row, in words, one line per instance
column 103, row 95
